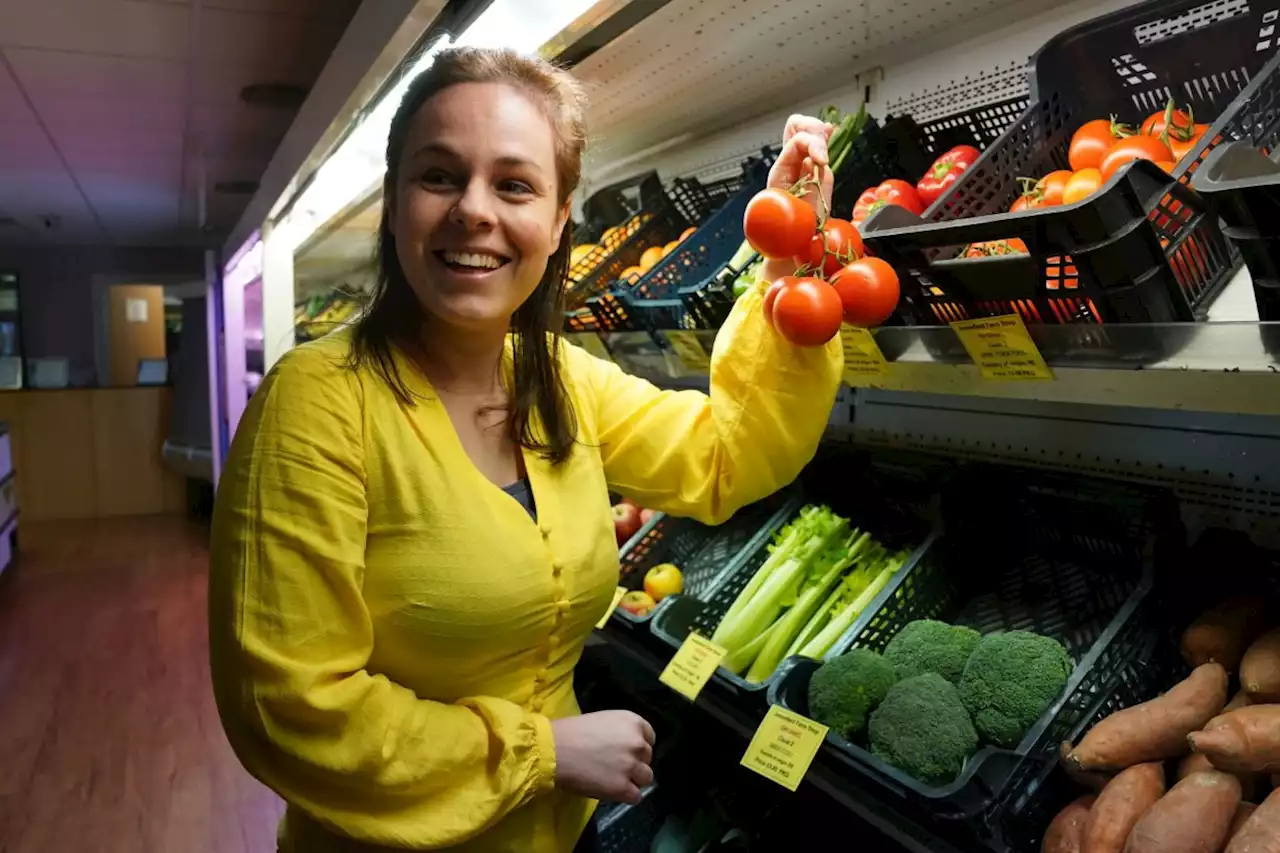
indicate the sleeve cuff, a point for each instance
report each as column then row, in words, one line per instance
column 544, row 755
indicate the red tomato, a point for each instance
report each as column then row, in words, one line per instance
column 1026, row 201
column 1182, row 147
column 892, row 191
column 807, row 311
column 1134, row 148
column 838, row 244
column 779, row 225
column 771, row 295
column 1083, row 184
column 991, row 248
column 1092, row 142
column 1176, row 122
column 868, row 290
column 1052, row 185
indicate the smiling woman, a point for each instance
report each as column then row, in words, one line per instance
column 412, row 538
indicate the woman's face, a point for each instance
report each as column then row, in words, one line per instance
column 476, row 212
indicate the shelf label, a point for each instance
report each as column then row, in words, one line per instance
column 692, row 666
column 862, row 356
column 617, row 596
column 590, row 342
column 784, row 746
column 1002, row 348
column 690, row 350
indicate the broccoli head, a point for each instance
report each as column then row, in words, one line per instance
column 927, row 645
column 922, row 727
column 1009, row 682
column 847, row 688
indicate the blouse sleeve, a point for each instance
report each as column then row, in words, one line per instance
column 290, row 638
column 704, row 456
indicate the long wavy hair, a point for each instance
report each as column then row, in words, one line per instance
column 540, row 416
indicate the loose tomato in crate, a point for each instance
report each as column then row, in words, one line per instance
column 1137, row 84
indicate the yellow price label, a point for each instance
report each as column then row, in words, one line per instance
column 690, row 350
column 862, row 356
column 613, row 605
column 1002, row 348
column 784, row 746
column 692, row 666
column 590, row 342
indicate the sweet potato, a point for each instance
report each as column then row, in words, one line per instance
column 1194, row 817
column 1246, row 740
column 1063, row 834
column 1243, row 812
column 1155, row 730
column 1223, row 632
column 1120, row 805
column 1198, row 762
column 1260, row 668
column 1242, row 699
column 1261, row 832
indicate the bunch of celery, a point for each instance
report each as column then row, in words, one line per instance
column 820, row 574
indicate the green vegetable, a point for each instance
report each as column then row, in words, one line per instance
column 922, row 727
column 927, row 645
column 777, row 584
column 827, row 567
column 845, row 689
column 1010, row 680
column 853, row 596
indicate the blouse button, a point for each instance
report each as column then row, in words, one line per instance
column 553, row 641
column 536, row 705
column 556, row 568
column 546, row 532
column 563, row 605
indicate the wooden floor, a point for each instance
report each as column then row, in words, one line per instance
column 109, row 739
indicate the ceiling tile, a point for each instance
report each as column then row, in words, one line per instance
column 117, row 27
column 235, row 48
column 340, row 10
column 41, row 71
column 58, row 108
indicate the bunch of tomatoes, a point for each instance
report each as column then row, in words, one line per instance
column 835, row 281
column 1099, row 148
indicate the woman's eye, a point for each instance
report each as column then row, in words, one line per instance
column 436, row 177
column 519, row 187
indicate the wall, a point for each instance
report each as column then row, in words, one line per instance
column 56, row 293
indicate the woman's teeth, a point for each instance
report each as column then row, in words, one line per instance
column 475, row 261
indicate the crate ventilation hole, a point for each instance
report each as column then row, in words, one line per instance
column 1193, row 19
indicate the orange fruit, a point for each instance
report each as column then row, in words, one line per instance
column 687, row 232
column 667, row 249
column 651, row 256
column 631, row 274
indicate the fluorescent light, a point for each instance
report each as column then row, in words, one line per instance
column 358, row 164
column 522, row 25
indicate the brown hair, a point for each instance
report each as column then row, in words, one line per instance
column 394, row 314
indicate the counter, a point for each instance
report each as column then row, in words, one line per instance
column 91, row 452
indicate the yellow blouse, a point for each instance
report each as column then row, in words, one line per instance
column 390, row 632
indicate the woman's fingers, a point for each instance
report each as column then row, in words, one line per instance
column 631, row 796
column 647, row 730
column 642, row 775
column 806, row 124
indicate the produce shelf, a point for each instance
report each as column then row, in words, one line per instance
column 1219, row 366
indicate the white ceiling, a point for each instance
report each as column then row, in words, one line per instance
column 107, row 108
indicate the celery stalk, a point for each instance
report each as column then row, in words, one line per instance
column 818, row 647
column 816, row 623
column 739, row 659
column 822, row 527
column 794, row 619
column 762, row 574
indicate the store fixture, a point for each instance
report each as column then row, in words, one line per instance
column 1184, row 414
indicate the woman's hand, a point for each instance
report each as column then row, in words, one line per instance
column 604, row 755
column 804, row 148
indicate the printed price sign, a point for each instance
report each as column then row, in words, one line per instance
column 617, row 596
column 862, row 356
column 690, row 350
column 1002, row 348
column 692, row 666
column 784, row 746
column 590, row 342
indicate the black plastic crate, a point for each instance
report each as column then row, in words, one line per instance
column 626, row 828
column 1126, row 63
column 700, row 551
column 657, row 225
column 1243, row 186
column 901, row 148
column 1069, row 558
column 895, row 511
